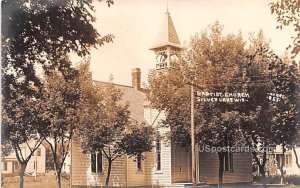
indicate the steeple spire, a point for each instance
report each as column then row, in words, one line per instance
column 167, row 35
column 167, row 43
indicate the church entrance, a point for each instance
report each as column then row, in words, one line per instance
column 181, row 165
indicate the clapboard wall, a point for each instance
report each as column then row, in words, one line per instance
column 209, row 168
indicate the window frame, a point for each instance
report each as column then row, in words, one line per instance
column 139, row 163
column 94, row 159
column 5, row 166
column 288, row 159
column 99, row 169
column 16, row 165
column 158, row 155
column 228, row 162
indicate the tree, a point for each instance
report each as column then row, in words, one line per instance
column 42, row 33
column 212, row 62
column 22, row 123
column 257, row 122
column 39, row 33
column 287, row 106
column 257, row 128
column 287, row 13
column 110, row 131
column 6, row 147
column 62, row 97
column 49, row 158
column 217, row 63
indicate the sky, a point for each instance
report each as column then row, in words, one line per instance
column 135, row 25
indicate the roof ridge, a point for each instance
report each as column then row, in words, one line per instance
column 104, row 82
column 143, row 90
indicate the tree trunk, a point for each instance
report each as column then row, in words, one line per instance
column 221, row 167
column 21, row 174
column 108, row 172
column 296, row 156
column 262, row 170
column 58, row 172
column 58, row 176
column 262, row 164
column 282, row 164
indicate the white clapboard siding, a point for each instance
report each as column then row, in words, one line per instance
column 154, row 177
column 81, row 169
column 135, row 177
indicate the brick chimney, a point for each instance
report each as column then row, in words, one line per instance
column 136, row 78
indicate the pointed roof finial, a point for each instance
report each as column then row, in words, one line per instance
column 167, row 7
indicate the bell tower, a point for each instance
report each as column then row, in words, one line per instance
column 167, row 46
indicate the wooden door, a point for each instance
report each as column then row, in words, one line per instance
column 181, row 165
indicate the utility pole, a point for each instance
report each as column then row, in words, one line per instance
column 193, row 138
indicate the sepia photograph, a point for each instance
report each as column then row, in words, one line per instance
column 140, row 93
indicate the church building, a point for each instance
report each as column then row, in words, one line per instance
column 166, row 165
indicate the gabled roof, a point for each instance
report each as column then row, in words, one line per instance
column 135, row 99
column 167, row 35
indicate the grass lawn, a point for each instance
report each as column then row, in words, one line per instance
column 65, row 184
column 42, row 181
